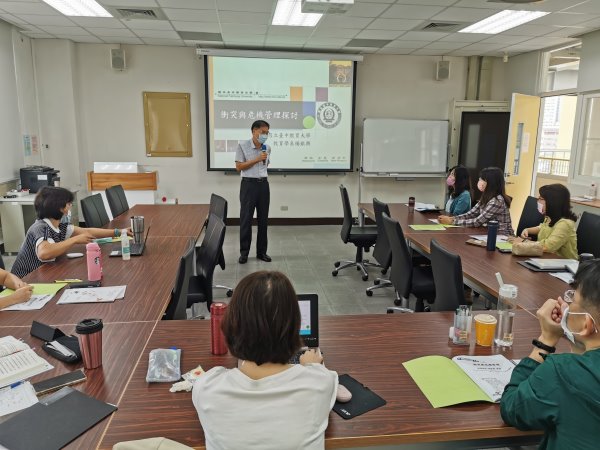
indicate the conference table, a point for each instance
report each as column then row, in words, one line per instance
column 479, row 265
column 149, row 278
column 371, row 349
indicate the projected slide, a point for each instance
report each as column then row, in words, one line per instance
column 308, row 104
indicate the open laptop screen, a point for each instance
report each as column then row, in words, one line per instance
column 309, row 319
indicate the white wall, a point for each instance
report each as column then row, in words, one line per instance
column 522, row 74
column 589, row 65
column 55, row 61
column 11, row 144
column 89, row 112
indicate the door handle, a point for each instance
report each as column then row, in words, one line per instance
column 510, row 182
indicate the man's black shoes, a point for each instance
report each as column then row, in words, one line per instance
column 243, row 259
column 264, row 257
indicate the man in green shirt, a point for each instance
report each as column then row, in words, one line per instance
column 560, row 394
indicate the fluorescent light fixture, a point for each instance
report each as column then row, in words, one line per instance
column 79, row 8
column 502, row 21
column 289, row 12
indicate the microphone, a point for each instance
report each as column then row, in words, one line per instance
column 264, row 149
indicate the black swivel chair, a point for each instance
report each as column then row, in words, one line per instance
column 2, row 266
column 218, row 207
column 177, row 305
column 362, row 237
column 588, row 234
column 407, row 278
column 207, row 256
column 94, row 211
column 447, row 277
column 530, row 217
column 382, row 251
column 116, row 200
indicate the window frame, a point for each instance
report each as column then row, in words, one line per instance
column 578, row 138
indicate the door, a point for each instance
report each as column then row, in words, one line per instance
column 483, row 142
column 520, row 153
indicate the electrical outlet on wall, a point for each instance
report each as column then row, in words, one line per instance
column 284, row 207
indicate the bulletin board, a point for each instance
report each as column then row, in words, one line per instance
column 167, row 122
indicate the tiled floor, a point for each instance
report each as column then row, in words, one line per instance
column 306, row 255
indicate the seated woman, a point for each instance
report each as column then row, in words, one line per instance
column 494, row 204
column 49, row 236
column 459, row 184
column 266, row 402
column 557, row 232
column 22, row 290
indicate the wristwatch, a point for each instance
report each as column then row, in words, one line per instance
column 543, row 346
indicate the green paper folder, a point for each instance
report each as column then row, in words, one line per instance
column 445, row 383
column 428, row 227
column 39, row 289
column 503, row 245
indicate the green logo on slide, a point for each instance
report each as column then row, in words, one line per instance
column 308, row 122
column 329, row 115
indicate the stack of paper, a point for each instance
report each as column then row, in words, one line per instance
column 92, row 295
column 42, row 294
column 18, row 361
column 431, row 227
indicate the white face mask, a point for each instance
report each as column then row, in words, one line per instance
column 570, row 335
column 66, row 218
column 540, row 207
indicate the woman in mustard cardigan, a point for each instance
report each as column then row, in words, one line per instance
column 557, row 232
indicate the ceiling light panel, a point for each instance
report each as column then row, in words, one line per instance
column 289, row 12
column 502, row 21
column 79, row 8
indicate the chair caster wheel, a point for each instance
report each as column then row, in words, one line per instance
column 398, row 302
column 383, row 271
column 229, row 292
column 334, row 273
column 357, row 268
column 365, row 277
column 336, row 264
column 376, row 281
column 369, row 293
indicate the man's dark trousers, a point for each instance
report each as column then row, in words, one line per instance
column 254, row 194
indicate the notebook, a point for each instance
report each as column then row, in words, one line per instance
column 18, row 361
column 54, row 422
column 550, row 264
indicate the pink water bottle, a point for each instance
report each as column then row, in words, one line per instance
column 94, row 261
column 218, row 346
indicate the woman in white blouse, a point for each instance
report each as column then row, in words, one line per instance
column 266, row 403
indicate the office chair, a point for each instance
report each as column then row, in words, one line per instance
column 405, row 277
column 447, row 278
column 207, row 256
column 362, row 237
column 588, row 234
column 530, row 217
column 177, row 305
column 94, row 211
column 218, row 207
column 116, row 200
column 2, row 266
column 382, row 251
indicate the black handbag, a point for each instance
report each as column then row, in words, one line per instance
column 49, row 334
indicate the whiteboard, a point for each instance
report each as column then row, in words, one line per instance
column 405, row 147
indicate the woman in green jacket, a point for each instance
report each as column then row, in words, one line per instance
column 557, row 232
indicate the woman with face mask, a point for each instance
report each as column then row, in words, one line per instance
column 459, row 185
column 493, row 205
column 560, row 393
column 557, row 232
column 52, row 235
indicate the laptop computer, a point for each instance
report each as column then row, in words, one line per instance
column 136, row 249
column 309, row 324
column 309, row 319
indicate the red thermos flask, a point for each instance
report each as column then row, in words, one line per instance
column 218, row 345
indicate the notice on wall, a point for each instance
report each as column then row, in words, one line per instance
column 525, row 142
column 27, row 144
column 35, row 145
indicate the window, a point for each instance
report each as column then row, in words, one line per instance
column 589, row 146
column 558, row 122
column 561, row 69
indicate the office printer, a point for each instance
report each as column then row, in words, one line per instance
column 36, row 177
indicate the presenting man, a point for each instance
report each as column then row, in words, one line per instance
column 252, row 159
column 560, row 394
